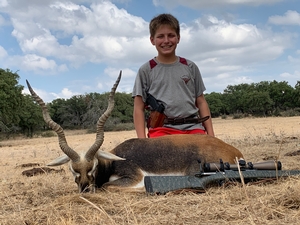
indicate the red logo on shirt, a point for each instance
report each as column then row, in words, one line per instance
column 185, row 78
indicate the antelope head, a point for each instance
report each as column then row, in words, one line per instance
column 84, row 165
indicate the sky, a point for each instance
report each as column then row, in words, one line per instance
column 66, row 48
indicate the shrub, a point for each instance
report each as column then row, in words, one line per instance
column 48, row 133
column 237, row 116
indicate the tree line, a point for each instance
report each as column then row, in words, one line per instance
column 20, row 114
column 266, row 98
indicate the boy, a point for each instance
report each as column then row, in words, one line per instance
column 174, row 82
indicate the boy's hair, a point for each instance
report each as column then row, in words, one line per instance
column 164, row 19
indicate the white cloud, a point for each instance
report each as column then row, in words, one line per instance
column 102, row 33
column 294, row 59
column 242, row 79
column 224, row 47
column 97, row 34
column 35, row 63
column 100, row 86
column 3, row 52
column 128, row 76
column 62, row 68
column 196, row 4
column 3, row 3
column 114, row 73
column 46, row 97
column 217, row 82
column 66, row 93
column 55, row 36
column 289, row 18
column 106, row 81
column 44, row 44
column 2, row 20
column 295, row 75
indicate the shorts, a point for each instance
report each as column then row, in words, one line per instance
column 162, row 131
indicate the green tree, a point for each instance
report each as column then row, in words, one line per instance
column 235, row 97
column 96, row 105
column 216, row 104
column 31, row 118
column 10, row 100
column 57, row 109
column 123, row 107
column 258, row 103
column 74, row 110
column 281, row 93
column 296, row 95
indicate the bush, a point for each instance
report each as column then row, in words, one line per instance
column 290, row 113
column 237, row 116
column 224, row 117
column 48, row 133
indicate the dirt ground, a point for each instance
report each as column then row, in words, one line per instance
column 52, row 198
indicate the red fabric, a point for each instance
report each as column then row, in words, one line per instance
column 183, row 61
column 161, row 131
column 152, row 63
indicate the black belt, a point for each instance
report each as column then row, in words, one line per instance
column 179, row 121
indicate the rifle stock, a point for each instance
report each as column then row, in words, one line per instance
column 164, row 184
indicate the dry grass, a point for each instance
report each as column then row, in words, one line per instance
column 53, row 198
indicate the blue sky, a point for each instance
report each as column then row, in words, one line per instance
column 65, row 48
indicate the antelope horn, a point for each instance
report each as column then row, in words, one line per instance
column 100, row 124
column 54, row 126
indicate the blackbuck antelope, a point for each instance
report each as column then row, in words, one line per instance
column 124, row 167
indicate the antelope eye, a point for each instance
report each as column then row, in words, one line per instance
column 77, row 178
column 90, row 174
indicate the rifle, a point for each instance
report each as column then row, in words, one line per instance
column 213, row 173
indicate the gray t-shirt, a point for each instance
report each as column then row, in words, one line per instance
column 175, row 85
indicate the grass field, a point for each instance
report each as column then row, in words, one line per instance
column 53, row 198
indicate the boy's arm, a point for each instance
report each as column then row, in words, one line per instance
column 139, row 116
column 204, row 111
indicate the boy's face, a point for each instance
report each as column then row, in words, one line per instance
column 165, row 40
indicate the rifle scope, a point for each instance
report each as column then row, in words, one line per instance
column 263, row 165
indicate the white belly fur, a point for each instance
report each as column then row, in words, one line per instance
column 144, row 173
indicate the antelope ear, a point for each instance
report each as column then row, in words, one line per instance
column 109, row 156
column 59, row 161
